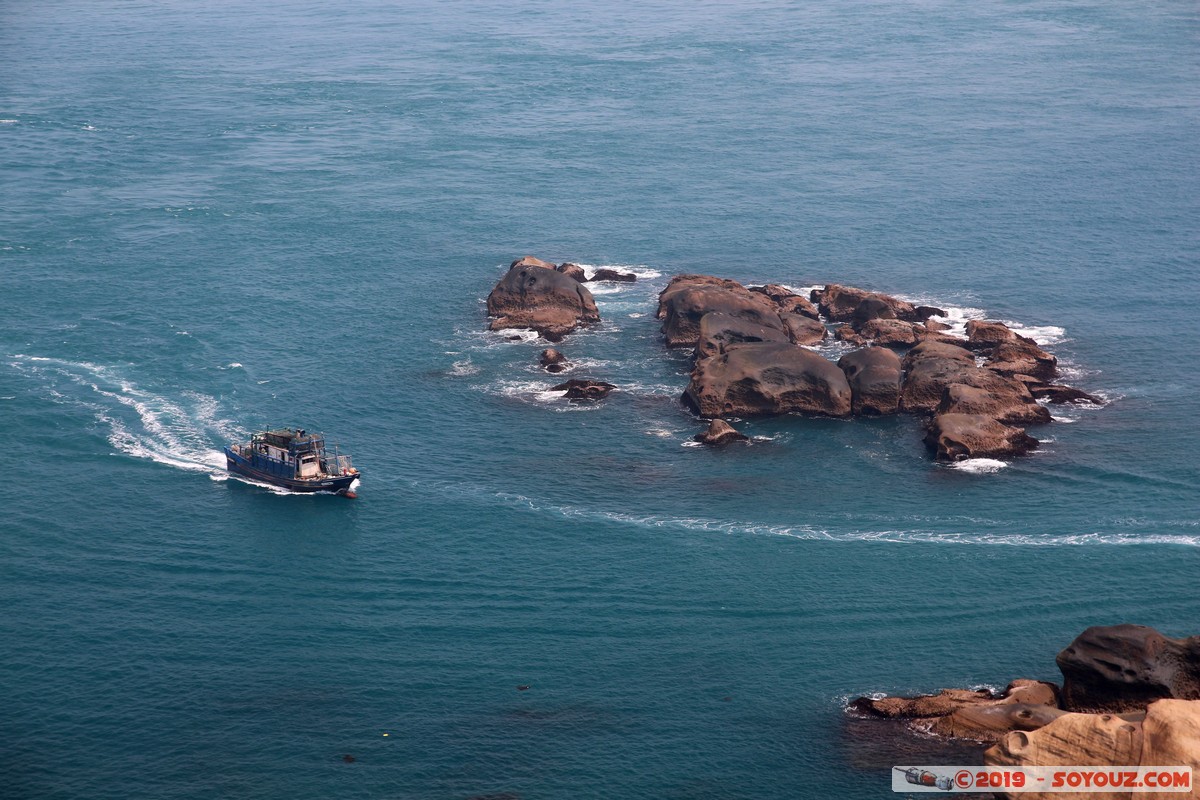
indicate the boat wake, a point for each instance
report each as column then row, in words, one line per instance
column 185, row 432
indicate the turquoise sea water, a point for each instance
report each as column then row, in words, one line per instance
column 218, row 217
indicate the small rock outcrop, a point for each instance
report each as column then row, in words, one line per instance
column 606, row 274
column 788, row 301
column 552, row 360
column 537, row 297
column 838, row 303
column 874, row 377
column 580, row 389
column 767, row 378
column 1121, row 667
column 954, row 437
column 688, row 298
column 720, row 432
column 719, row 330
column 573, row 271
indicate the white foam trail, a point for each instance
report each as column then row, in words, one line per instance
column 979, row 466
column 1044, row 335
column 185, row 433
column 803, row 531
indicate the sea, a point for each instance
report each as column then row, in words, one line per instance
column 221, row 217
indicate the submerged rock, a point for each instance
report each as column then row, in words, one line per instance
column 552, row 360
column 954, row 437
column 549, row 302
column 720, row 432
column 579, row 389
column 768, row 378
column 606, row 274
column 1055, row 393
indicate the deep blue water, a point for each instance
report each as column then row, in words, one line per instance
column 218, row 217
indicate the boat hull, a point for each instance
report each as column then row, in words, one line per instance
column 240, row 466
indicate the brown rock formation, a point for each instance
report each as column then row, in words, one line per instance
column 1009, row 402
column 874, row 377
column 552, row 360
column 1023, row 356
column 1124, row 667
column 688, row 298
column 954, row 437
column 767, row 378
column 838, row 303
column 788, row 301
column 719, row 330
column 542, row 299
column 605, row 274
column 720, row 432
column 579, row 389
column 889, row 332
column 573, row 271
column 802, row 329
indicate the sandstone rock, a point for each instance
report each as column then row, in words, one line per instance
column 953, row 437
column 932, row 366
column 838, row 303
column 1171, row 736
column 1125, row 667
column 552, row 360
column 787, row 301
column 1073, row 739
column 923, row 706
column 803, row 330
column 847, row 334
column 542, row 299
column 578, row 389
column 1023, row 356
column 530, row 261
column 934, row 325
column 689, row 297
column 573, row 271
column 718, row 330
column 984, row 335
column 605, row 274
column 1056, row 393
column 874, row 377
column 889, row 333
column 871, row 308
column 720, row 432
column 989, row 723
column 1010, row 403
column 767, row 378
column 925, row 312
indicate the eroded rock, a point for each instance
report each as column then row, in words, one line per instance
column 954, row 437
column 720, row 432
column 540, row 298
column 874, row 377
column 768, row 378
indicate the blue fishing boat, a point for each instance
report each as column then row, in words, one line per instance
column 294, row 460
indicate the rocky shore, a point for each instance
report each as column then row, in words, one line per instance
column 753, row 355
column 1130, row 696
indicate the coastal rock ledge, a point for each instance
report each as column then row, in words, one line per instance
column 1130, row 697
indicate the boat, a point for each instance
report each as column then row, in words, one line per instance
column 293, row 459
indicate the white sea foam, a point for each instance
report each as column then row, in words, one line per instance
column 463, row 368
column 809, row 532
column 979, row 466
column 183, row 432
column 640, row 271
